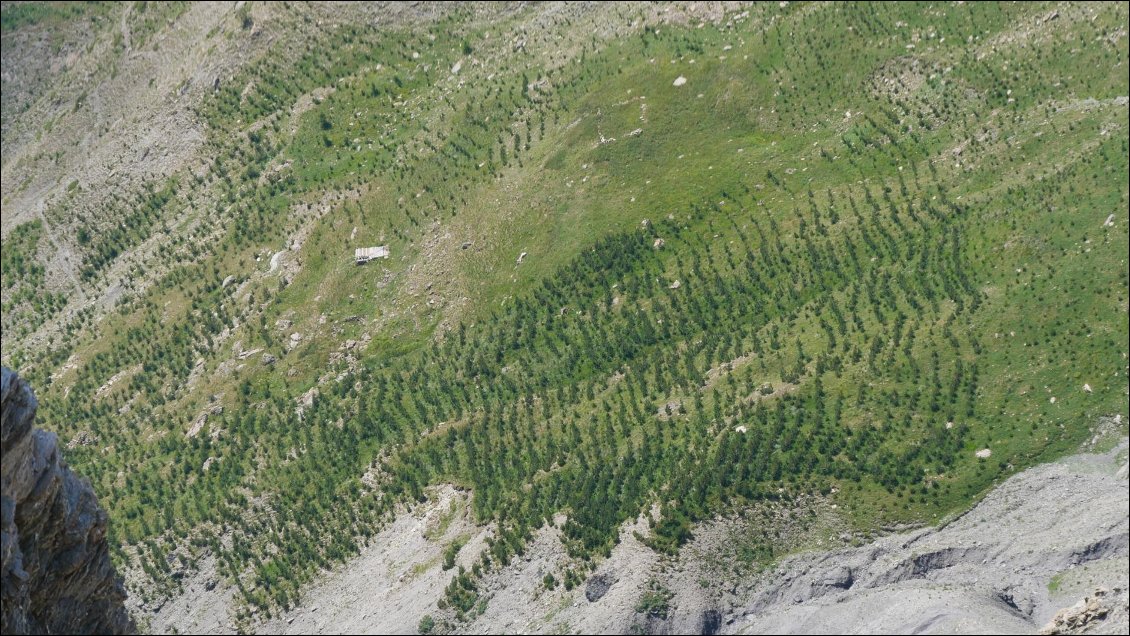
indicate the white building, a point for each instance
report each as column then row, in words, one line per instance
column 366, row 254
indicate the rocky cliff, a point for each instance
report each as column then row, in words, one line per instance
column 57, row 577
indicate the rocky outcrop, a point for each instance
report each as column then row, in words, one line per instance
column 1006, row 566
column 57, row 577
column 1088, row 614
column 598, row 586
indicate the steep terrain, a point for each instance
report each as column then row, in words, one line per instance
column 56, row 572
column 649, row 266
column 1044, row 539
column 1039, row 542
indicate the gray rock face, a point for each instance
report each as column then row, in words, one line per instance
column 598, row 586
column 840, row 577
column 56, row 576
column 987, row 571
column 711, row 622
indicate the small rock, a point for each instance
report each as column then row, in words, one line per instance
column 679, row 81
column 840, row 577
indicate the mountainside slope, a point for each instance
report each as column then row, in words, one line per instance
column 1036, row 544
column 56, row 572
column 1039, row 542
column 646, row 264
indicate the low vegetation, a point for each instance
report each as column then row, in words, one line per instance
column 859, row 244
